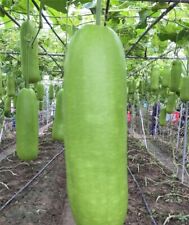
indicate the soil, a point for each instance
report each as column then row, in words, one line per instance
column 6, row 143
column 42, row 203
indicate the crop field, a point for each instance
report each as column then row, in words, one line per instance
column 94, row 109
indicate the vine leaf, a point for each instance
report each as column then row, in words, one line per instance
column 143, row 15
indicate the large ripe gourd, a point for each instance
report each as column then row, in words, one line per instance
column 95, row 127
column 162, row 117
column 40, row 91
column 7, row 108
column 166, row 76
column 58, row 128
column 154, row 79
column 27, row 125
column 11, row 86
column 51, row 92
column 184, row 89
column 29, row 53
column 176, row 71
column 171, row 102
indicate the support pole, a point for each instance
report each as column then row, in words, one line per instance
column 184, row 153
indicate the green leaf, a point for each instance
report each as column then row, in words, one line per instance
column 59, row 5
column 143, row 14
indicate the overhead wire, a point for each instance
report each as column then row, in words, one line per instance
column 150, row 27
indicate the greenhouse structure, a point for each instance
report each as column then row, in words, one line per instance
column 94, row 112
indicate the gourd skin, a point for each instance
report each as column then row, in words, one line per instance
column 1, row 85
column 154, row 79
column 58, row 128
column 51, row 92
column 29, row 53
column 131, row 86
column 27, row 125
column 7, row 110
column 162, row 117
column 95, row 127
column 11, row 86
column 171, row 102
column 166, row 77
column 184, row 89
column 40, row 91
column 176, row 71
column 40, row 105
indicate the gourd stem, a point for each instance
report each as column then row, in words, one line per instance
column 28, row 9
column 98, row 12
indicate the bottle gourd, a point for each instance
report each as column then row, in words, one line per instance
column 58, row 130
column 29, row 53
column 95, row 127
column 27, row 125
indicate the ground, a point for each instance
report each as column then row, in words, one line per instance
column 44, row 202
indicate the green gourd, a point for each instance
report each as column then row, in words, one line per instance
column 11, row 90
column 131, row 84
column 142, row 87
column 40, row 105
column 162, row 117
column 171, row 102
column 29, row 53
column 184, row 89
column 58, row 128
column 27, row 125
column 40, row 91
column 95, row 134
column 51, row 92
column 1, row 85
column 7, row 108
column 163, row 93
column 176, row 71
column 154, row 79
column 14, row 101
column 166, row 76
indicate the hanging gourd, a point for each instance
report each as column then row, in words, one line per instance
column 95, row 127
column 142, row 87
column 7, row 108
column 184, row 89
column 166, row 77
column 11, row 91
column 162, row 117
column 1, row 85
column 131, row 86
column 171, row 102
column 51, row 92
column 40, row 105
column 27, row 125
column 58, row 128
column 176, row 71
column 163, row 93
column 29, row 53
column 40, row 91
column 14, row 101
column 154, row 79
